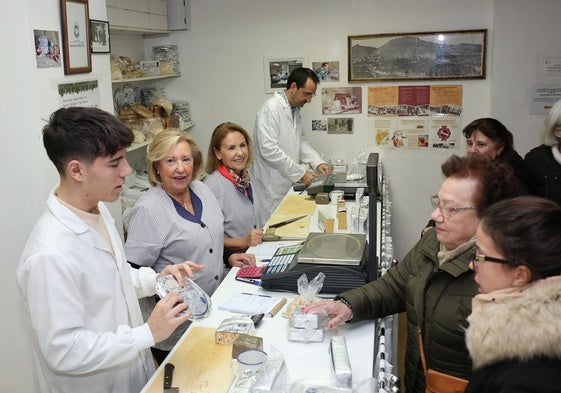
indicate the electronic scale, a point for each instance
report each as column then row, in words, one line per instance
column 340, row 256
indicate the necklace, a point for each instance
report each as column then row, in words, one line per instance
column 186, row 206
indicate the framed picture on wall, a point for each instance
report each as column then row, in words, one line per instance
column 439, row 55
column 99, row 31
column 277, row 70
column 76, row 36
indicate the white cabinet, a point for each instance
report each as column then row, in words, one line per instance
column 144, row 16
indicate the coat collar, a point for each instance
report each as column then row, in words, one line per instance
column 516, row 323
column 70, row 220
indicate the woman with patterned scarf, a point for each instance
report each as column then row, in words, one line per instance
column 229, row 154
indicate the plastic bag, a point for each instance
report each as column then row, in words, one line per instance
column 310, row 290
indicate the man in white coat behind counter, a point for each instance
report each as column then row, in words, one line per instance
column 280, row 144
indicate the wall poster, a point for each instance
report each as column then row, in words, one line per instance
column 416, row 117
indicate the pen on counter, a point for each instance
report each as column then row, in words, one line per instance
column 277, row 308
column 249, row 281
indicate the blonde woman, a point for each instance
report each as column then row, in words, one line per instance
column 177, row 219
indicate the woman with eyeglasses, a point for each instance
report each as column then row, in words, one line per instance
column 514, row 334
column 544, row 162
column 433, row 284
column 177, row 219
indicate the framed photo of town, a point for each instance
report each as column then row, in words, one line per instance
column 458, row 54
column 100, row 36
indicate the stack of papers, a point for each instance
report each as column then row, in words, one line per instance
column 253, row 304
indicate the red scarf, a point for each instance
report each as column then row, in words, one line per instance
column 240, row 181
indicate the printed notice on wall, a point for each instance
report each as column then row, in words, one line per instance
column 84, row 93
column 543, row 97
column 416, row 117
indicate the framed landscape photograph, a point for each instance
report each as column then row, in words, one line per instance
column 458, row 54
column 99, row 31
column 277, row 71
column 76, row 36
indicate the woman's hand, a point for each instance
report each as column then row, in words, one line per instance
column 181, row 270
column 254, row 237
column 239, row 260
column 337, row 311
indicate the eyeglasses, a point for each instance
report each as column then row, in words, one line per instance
column 478, row 258
column 173, row 163
column 447, row 212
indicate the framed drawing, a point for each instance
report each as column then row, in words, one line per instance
column 99, row 32
column 76, row 36
column 458, row 54
column 277, row 71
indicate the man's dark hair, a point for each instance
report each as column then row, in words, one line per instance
column 300, row 76
column 83, row 134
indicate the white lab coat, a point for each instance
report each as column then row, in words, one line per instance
column 78, row 297
column 280, row 146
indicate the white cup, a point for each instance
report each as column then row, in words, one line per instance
column 335, row 195
column 251, row 360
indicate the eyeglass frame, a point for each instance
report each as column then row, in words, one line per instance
column 478, row 258
column 450, row 211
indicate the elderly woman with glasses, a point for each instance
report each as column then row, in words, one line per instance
column 177, row 219
column 544, row 162
column 433, row 284
column 514, row 334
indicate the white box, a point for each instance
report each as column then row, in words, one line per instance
column 150, row 67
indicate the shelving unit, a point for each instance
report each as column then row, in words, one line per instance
column 145, row 78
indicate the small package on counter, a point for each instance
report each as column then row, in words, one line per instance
column 231, row 328
column 340, row 361
column 245, row 342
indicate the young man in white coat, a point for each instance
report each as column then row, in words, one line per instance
column 280, row 144
column 79, row 291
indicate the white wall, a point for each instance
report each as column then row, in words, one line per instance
column 518, row 59
column 222, row 58
column 222, row 65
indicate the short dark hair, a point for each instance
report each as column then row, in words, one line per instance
column 495, row 180
column 83, row 134
column 494, row 130
column 527, row 230
column 300, row 76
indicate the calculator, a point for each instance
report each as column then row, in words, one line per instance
column 251, row 271
column 282, row 259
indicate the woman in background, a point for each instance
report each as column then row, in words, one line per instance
column 490, row 137
column 229, row 154
column 514, row 333
column 177, row 219
column 544, row 162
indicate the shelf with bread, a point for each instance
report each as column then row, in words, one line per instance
column 144, row 78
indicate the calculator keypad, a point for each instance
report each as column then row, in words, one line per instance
column 279, row 263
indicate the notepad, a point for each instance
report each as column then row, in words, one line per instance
column 253, row 304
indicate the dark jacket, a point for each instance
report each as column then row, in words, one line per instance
column 544, row 173
column 437, row 298
column 516, row 162
column 514, row 338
